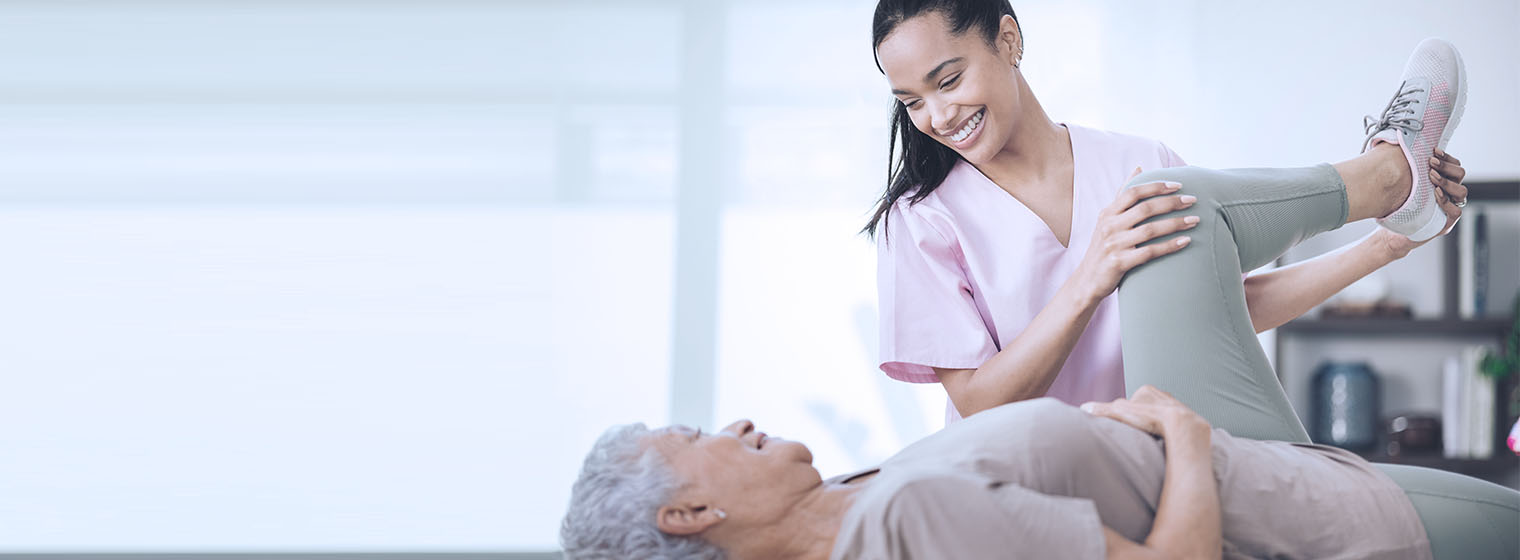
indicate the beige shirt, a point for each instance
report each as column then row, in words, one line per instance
column 1039, row 479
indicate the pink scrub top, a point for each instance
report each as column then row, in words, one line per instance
column 964, row 271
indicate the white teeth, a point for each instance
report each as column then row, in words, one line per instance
column 969, row 128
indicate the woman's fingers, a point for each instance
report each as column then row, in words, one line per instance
column 1453, row 188
column 1452, row 211
column 1148, row 231
column 1156, row 206
column 1130, row 248
column 1125, row 244
column 1129, row 197
column 1112, row 250
column 1448, row 169
column 1140, row 255
column 1438, row 152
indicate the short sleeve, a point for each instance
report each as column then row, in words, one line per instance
column 928, row 314
column 1170, row 158
column 972, row 517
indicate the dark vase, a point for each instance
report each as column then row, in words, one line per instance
column 1346, row 406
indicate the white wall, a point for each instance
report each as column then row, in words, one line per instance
column 1232, row 84
column 372, row 276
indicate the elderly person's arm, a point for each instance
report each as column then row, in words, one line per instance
column 1187, row 523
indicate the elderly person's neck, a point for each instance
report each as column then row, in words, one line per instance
column 749, row 494
column 804, row 526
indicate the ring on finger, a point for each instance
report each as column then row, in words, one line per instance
column 1462, row 203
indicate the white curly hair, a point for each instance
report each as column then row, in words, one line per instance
column 613, row 504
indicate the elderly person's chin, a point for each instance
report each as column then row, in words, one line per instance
column 794, row 451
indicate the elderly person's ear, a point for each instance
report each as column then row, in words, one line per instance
column 687, row 519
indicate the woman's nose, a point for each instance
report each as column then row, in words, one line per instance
column 741, row 427
column 941, row 113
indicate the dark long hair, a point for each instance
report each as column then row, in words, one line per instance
column 924, row 162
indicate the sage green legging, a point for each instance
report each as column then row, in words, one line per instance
column 1186, row 331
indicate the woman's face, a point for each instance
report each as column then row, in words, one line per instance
column 739, row 469
column 958, row 89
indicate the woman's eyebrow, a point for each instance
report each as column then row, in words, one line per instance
column 933, row 74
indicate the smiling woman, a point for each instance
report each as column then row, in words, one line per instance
column 968, row 124
column 1003, row 234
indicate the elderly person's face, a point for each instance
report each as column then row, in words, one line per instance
column 751, row 477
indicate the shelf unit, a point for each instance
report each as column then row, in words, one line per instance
column 1409, row 327
column 1503, row 466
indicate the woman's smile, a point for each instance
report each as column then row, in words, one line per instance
column 968, row 132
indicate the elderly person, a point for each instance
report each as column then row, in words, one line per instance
column 1133, row 478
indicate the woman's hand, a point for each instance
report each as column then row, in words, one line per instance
column 1115, row 244
column 1153, row 411
column 1446, row 173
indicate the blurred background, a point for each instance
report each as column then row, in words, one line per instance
column 368, row 277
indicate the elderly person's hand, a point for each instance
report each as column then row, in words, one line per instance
column 1153, row 411
column 1446, row 173
column 1188, row 522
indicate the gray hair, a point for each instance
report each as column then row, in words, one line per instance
column 614, row 501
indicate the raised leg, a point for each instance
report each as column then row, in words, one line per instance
column 1185, row 326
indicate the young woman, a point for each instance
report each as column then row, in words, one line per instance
column 1002, row 235
column 1041, row 479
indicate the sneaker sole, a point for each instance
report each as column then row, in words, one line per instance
column 1437, row 221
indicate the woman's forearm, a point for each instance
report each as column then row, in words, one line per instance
column 1027, row 366
column 1187, row 523
column 1281, row 295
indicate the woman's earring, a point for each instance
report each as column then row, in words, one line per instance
column 1020, row 58
column 720, row 514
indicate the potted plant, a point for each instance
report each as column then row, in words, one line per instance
column 1504, row 366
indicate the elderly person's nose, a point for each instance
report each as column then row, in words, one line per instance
column 741, row 427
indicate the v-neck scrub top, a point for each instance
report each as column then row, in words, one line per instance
column 962, row 272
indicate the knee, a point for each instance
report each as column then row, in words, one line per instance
column 1201, row 183
column 1065, row 432
column 1042, row 422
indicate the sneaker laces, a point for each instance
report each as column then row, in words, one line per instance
column 1398, row 114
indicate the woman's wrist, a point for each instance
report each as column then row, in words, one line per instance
column 1085, row 296
column 1084, row 289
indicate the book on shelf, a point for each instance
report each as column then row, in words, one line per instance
column 1472, row 264
column 1467, row 406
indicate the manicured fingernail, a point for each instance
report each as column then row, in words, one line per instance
column 1190, row 220
column 1189, row 199
column 1181, row 241
column 1433, row 174
column 1173, row 186
column 1435, row 161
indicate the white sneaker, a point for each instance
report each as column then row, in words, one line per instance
column 1420, row 118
